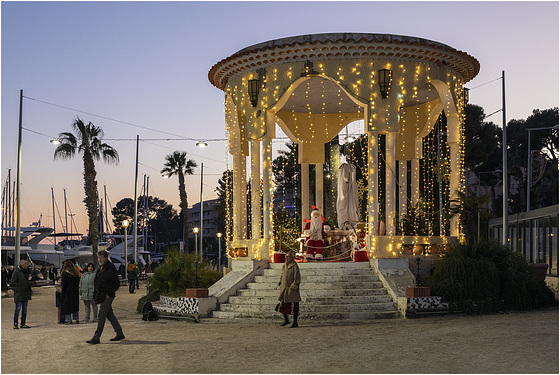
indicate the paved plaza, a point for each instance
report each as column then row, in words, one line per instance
column 521, row 342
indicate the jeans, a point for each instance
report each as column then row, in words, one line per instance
column 20, row 305
column 90, row 305
column 106, row 311
column 75, row 316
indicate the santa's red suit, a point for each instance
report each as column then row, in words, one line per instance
column 315, row 232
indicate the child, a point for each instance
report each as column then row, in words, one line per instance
column 58, row 288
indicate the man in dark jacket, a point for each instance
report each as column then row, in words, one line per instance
column 106, row 284
column 22, row 292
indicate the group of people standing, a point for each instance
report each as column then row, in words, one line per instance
column 94, row 287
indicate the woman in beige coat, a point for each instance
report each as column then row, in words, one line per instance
column 289, row 287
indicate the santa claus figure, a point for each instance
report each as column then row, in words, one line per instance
column 315, row 231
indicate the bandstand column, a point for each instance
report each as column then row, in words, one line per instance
column 415, row 173
column 390, row 185
column 403, row 188
column 304, row 193
column 255, row 190
column 454, row 181
column 267, row 186
column 236, row 196
column 373, row 184
column 319, row 187
column 243, row 191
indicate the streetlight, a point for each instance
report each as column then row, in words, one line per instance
column 201, row 144
column 125, row 225
column 529, row 172
column 219, row 251
column 195, row 230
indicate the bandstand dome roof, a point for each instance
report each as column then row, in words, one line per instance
column 342, row 45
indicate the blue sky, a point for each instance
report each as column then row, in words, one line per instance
column 146, row 64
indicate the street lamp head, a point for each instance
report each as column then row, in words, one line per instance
column 219, row 235
column 202, row 144
column 125, row 223
column 55, row 141
column 195, row 229
column 165, row 175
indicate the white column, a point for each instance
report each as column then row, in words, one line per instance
column 267, row 194
column 256, row 211
column 243, row 190
column 304, row 193
column 403, row 188
column 454, row 181
column 373, row 184
column 390, row 183
column 319, row 187
column 236, row 196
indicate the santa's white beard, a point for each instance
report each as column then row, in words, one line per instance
column 316, row 229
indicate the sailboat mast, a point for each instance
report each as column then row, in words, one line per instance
column 66, row 215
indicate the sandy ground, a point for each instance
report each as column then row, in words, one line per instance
column 523, row 342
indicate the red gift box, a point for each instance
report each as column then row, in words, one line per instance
column 278, row 258
column 360, row 256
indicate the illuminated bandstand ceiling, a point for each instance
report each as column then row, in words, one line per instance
column 314, row 85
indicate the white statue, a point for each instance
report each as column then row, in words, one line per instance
column 347, row 201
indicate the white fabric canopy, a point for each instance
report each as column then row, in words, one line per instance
column 347, row 201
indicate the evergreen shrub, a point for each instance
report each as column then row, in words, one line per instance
column 485, row 276
column 176, row 274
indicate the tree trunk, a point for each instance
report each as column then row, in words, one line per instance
column 184, row 209
column 90, row 189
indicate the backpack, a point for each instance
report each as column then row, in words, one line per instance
column 148, row 312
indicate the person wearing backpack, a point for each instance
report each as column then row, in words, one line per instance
column 106, row 284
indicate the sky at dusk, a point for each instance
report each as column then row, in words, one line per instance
column 141, row 68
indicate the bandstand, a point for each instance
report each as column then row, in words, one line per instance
column 312, row 86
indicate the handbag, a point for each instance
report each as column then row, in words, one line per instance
column 284, row 308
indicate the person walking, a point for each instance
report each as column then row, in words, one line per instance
column 289, row 289
column 86, row 292
column 106, row 283
column 70, row 297
column 22, row 292
column 131, row 276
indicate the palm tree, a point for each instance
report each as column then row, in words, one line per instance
column 87, row 140
column 177, row 163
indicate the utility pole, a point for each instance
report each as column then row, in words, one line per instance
column 504, row 166
column 136, row 203
column 18, row 183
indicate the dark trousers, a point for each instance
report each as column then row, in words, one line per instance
column 20, row 305
column 106, row 311
column 131, row 283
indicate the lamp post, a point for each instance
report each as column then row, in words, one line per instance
column 201, row 208
column 125, row 225
column 219, row 251
column 195, row 230
column 529, row 171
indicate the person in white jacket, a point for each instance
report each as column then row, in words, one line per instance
column 86, row 292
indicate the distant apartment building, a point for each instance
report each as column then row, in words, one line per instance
column 209, row 228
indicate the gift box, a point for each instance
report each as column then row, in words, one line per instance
column 278, row 258
column 360, row 256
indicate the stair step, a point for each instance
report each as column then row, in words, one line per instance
column 308, row 308
column 322, row 271
column 312, row 316
column 313, row 292
column 321, row 278
column 312, row 300
column 330, row 285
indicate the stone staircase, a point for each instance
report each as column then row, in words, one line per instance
column 329, row 291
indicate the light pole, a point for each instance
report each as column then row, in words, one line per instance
column 529, row 171
column 201, row 207
column 219, row 251
column 125, row 225
column 195, row 230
